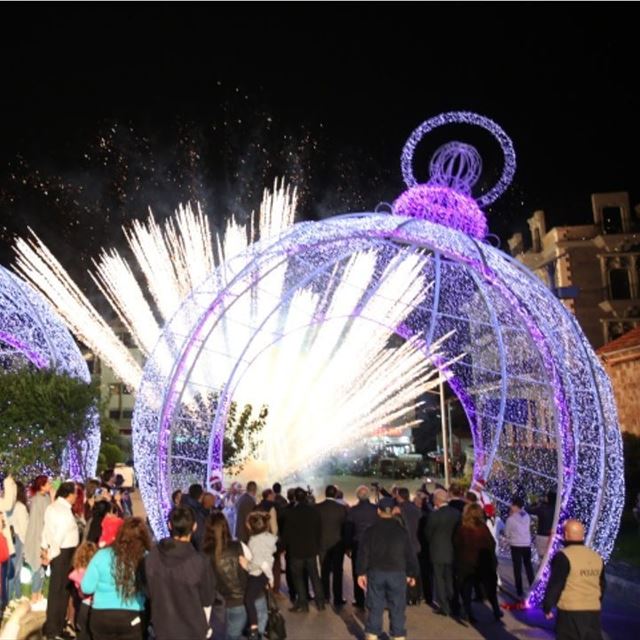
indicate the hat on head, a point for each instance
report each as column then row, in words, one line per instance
column 489, row 510
column 110, row 528
column 386, row 504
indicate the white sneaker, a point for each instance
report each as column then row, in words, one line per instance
column 40, row 605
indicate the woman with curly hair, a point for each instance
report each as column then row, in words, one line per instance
column 114, row 578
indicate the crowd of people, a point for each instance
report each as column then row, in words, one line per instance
column 109, row 579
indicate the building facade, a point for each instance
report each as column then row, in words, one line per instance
column 593, row 268
column 621, row 359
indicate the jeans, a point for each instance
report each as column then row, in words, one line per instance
column 4, row 575
column 37, row 579
column 15, row 587
column 236, row 619
column 386, row 589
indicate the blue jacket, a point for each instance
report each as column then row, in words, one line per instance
column 99, row 581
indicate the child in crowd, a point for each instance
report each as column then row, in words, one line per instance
column 81, row 560
column 262, row 546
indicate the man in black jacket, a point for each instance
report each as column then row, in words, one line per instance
column 332, row 519
column 360, row 517
column 180, row 583
column 193, row 500
column 386, row 565
column 302, row 538
column 440, row 527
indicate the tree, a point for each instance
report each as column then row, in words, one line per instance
column 41, row 411
column 241, row 437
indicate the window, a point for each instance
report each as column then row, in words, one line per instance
column 127, row 414
column 114, row 414
column 114, row 388
column 619, row 285
column 612, row 220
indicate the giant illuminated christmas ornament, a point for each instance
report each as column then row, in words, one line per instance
column 299, row 323
column 32, row 335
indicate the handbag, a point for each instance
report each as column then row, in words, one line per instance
column 276, row 627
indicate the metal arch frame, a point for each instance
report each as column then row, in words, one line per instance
column 224, row 395
column 510, row 283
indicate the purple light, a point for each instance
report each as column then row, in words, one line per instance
column 444, row 206
column 30, row 329
column 463, row 117
column 540, row 406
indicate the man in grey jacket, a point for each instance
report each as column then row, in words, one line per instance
column 441, row 526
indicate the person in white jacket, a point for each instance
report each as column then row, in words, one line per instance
column 517, row 530
column 7, row 501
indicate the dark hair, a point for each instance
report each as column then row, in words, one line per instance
column 266, row 493
column 38, row 483
column 277, row 488
column 455, row 489
column 92, row 485
column 291, row 494
column 181, row 520
column 129, row 549
column 471, row 496
column 251, row 486
column 106, row 476
column 330, row 491
column 217, row 536
column 21, row 493
column 175, row 494
column 99, row 511
column 552, row 497
column 119, row 481
column 517, row 502
column 65, row 490
column 403, row 492
column 257, row 522
column 195, row 491
column 300, row 495
column 339, row 495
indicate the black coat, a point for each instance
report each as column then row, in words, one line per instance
column 180, row 582
column 245, row 505
column 332, row 517
column 385, row 546
column 411, row 516
column 441, row 525
column 201, row 517
column 359, row 519
column 302, row 532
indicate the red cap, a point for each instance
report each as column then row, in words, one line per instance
column 110, row 527
column 489, row 510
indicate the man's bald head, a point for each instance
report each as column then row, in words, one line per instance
column 362, row 492
column 440, row 497
column 573, row 531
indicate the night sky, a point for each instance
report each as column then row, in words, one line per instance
column 111, row 108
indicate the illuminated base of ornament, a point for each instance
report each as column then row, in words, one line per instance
column 444, row 206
